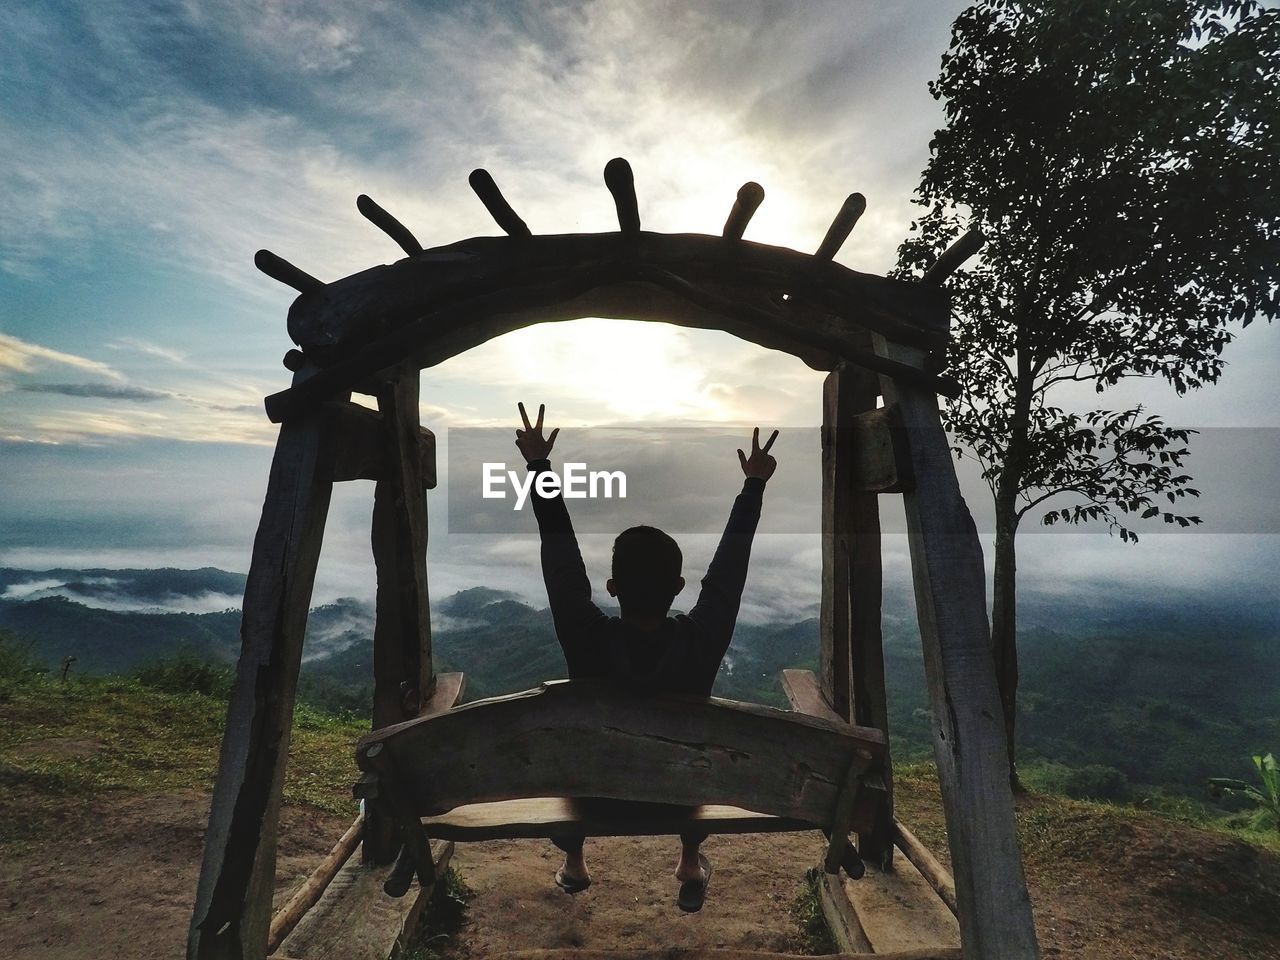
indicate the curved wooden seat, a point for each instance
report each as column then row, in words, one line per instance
column 500, row 768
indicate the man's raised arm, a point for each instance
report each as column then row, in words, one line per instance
column 568, row 587
column 717, row 608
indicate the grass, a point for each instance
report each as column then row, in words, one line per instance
column 806, row 911
column 65, row 743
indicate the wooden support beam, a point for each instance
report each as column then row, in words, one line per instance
column 237, row 876
column 388, row 224
column 361, row 446
column 838, row 408
column 307, row 895
column 750, row 196
column 281, row 270
column 953, row 257
column 355, row 920
column 454, row 288
column 850, row 211
column 403, row 675
column 922, row 859
column 483, row 184
column 968, row 729
column 622, row 184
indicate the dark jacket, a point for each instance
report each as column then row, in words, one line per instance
column 681, row 656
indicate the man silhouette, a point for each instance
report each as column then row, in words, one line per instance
column 644, row 650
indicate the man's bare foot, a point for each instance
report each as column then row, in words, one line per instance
column 689, row 868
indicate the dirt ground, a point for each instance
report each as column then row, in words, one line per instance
column 118, row 880
column 631, row 900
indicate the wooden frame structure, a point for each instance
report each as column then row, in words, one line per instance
column 374, row 331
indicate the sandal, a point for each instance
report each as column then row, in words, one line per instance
column 693, row 893
column 571, row 884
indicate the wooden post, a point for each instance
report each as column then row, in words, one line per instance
column 968, row 730
column 402, row 670
column 837, row 522
column 852, row 654
column 237, row 876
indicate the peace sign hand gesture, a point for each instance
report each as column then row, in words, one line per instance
column 530, row 440
column 759, row 464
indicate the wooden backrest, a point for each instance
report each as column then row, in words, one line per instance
column 587, row 739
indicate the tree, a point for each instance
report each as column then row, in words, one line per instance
column 1120, row 156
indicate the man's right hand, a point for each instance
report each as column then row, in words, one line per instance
column 530, row 440
column 759, row 464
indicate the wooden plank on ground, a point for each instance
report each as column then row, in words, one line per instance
column 967, row 726
column 237, row 875
column 897, row 910
column 313, row 888
column 546, row 817
column 355, row 920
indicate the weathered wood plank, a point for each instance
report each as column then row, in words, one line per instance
column 547, row 817
column 309, row 893
column 342, row 316
column 233, row 900
column 968, row 733
column 355, row 920
column 402, row 670
column 361, row 451
column 590, row 740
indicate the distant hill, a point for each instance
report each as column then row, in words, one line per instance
column 1168, row 690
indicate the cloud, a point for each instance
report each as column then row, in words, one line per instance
column 149, row 349
column 21, row 356
column 104, row 391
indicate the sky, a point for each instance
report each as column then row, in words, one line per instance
column 147, row 150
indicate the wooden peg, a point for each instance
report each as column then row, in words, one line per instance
column 853, row 207
column 294, row 360
column 493, row 200
column 621, row 183
column 952, row 257
column 388, row 224
column 750, row 196
column 278, row 268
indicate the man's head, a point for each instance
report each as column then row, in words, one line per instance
column 646, row 572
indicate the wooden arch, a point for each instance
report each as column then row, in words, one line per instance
column 374, row 331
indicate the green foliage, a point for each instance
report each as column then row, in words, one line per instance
column 1097, row 782
column 187, row 673
column 806, row 910
column 1267, row 798
column 1119, row 157
column 17, row 665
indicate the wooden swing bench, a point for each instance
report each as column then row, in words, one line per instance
column 582, row 757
